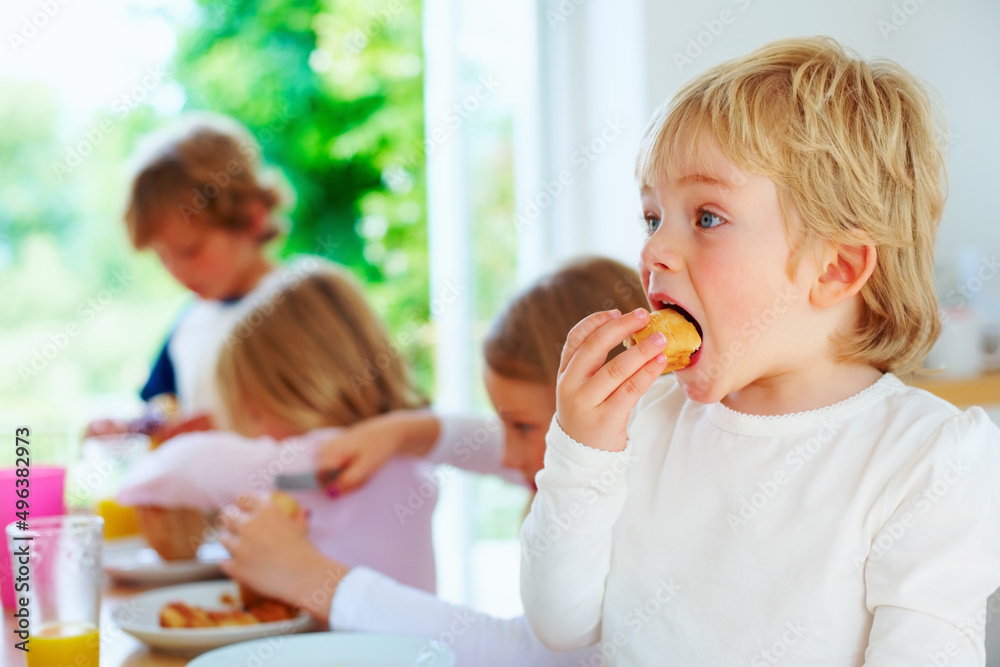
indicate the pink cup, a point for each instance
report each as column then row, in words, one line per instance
column 47, row 487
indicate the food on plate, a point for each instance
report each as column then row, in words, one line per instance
column 682, row 337
column 181, row 615
column 174, row 532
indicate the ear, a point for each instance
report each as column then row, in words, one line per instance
column 843, row 271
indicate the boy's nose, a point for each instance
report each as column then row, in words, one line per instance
column 660, row 252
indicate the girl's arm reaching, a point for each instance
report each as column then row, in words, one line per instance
column 473, row 443
column 209, row 469
column 468, row 442
column 360, row 450
column 566, row 539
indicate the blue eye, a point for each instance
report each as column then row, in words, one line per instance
column 652, row 223
column 708, row 220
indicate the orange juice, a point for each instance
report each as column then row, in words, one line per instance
column 64, row 645
column 119, row 520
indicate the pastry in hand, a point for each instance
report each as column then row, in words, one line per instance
column 682, row 337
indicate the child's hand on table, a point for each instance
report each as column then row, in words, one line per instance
column 594, row 399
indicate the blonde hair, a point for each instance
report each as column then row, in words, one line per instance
column 205, row 169
column 312, row 355
column 525, row 341
column 852, row 148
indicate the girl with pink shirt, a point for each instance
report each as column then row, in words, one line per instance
column 292, row 373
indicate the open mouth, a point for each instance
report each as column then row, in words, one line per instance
column 690, row 318
column 687, row 316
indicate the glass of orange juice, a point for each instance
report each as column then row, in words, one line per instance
column 56, row 563
column 94, row 480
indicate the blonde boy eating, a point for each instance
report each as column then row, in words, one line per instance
column 786, row 498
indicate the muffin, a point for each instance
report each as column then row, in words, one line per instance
column 174, row 532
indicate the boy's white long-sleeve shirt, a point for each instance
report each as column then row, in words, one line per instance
column 865, row 533
column 369, row 601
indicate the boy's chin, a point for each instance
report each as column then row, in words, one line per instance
column 699, row 388
column 208, row 294
column 199, row 291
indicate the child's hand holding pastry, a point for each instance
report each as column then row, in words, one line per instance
column 593, row 398
column 271, row 553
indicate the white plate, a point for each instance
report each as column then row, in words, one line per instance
column 140, row 617
column 132, row 560
column 332, row 649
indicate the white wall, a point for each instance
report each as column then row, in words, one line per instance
column 613, row 59
column 588, row 114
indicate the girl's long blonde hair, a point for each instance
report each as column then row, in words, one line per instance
column 314, row 354
column 526, row 339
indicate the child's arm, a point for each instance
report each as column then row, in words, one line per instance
column 369, row 601
column 937, row 557
column 566, row 539
column 469, row 442
column 473, row 443
column 210, row 469
column 159, row 421
column 360, row 450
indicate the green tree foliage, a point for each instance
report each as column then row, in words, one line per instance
column 27, row 142
column 83, row 313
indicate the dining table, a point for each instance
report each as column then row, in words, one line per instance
column 118, row 648
column 982, row 389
